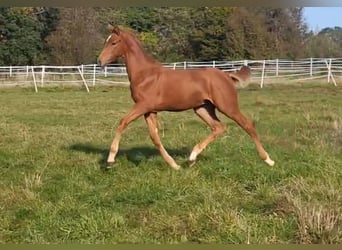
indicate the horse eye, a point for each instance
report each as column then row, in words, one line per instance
column 115, row 42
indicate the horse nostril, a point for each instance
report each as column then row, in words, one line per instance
column 99, row 62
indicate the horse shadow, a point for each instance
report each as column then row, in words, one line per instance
column 134, row 155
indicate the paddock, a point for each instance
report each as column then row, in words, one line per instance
column 54, row 142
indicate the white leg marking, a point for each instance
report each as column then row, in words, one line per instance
column 176, row 167
column 269, row 161
column 111, row 158
column 193, row 155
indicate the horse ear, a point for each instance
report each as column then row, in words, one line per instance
column 110, row 27
column 116, row 30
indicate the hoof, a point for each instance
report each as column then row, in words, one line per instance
column 110, row 164
column 176, row 167
column 193, row 156
column 191, row 163
column 107, row 165
column 269, row 161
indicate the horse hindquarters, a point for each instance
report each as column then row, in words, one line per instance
column 225, row 99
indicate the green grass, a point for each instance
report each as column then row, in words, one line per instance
column 52, row 189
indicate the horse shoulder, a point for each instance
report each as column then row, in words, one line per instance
column 145, row 86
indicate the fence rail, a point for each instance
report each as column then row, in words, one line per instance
column 263, row 72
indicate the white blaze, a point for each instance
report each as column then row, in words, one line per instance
column 108, row 38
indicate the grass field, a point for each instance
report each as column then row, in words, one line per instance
column 52, row 189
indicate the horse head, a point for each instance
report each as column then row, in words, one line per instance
column 114, row 47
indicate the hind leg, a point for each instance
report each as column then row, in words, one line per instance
column 248, row 126
column 228, row 105
column 207, row 114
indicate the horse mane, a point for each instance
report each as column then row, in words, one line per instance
column 134, row 43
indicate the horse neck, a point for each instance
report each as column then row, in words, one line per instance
column 136, row 60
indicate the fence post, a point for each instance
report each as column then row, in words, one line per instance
column 330, row 75
column 311, row 70
column 105, row 71
column 84, row 81
column 277, row 67
column 184, row 64
column 10, row 71
column 34, row 79
column 214, row 64
column 94, row 76
column 174, row 66
column 43, row 74
column 245, row 62
column 329, row 69
column 263, row 74
column 27, row 71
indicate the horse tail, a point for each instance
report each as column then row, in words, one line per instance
column 242, row 75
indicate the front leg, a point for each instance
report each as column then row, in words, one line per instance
column 151, row 120
column 137, row 111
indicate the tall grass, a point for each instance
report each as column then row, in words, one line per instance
column 52, row 189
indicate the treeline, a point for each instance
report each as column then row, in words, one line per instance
column 66, row 36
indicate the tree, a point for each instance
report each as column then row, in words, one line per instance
column 208, row 38
column 163, row 31
column 172, row 28
column 287, row 29
column 247, row 36
column 33, row 35
column 334, row 34
column 327, row 43
column 47, row 19
column 20, row 37
column 215, row 33
column 76, row 39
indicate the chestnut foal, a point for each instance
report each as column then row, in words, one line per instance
column 155, row 88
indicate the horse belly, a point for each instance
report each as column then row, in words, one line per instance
column 180, row 97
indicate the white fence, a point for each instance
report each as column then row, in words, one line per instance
column 263, row 72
